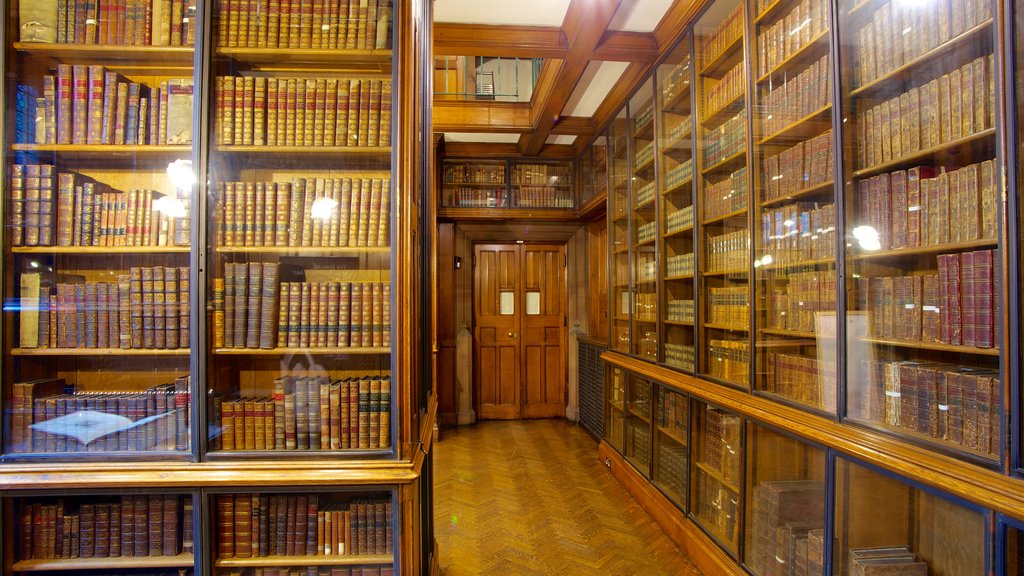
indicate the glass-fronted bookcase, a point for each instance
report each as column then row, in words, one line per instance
column 199, row 271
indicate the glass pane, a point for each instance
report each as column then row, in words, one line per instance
column 99, row 533
column 715, row 497
column 542, row 185
column 638, row 423
column 725, row 220
column 1014, row 551
column 618, row 217
column 477, row 184
column 615, row 414
column 299, row 237
column 675, row 156
column 785, row 520
column 99, row 150
column 795, row 239
column 644, row 224
column 671, row 444
column 586, row 175
column 923, row 223
column 881, row 520
column 356, row 528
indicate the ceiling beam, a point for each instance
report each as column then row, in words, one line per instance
column 504, row 41
column 618, row 46
column 501, row 150
column 613, row 102
column 573, row 126
column 584, row 25
column 477, row 116
column 674, row 22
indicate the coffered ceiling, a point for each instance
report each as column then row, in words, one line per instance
column 595, row 53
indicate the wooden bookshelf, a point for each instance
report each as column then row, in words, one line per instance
column 976, row 143
column 812, row 190
column 899, row 75
column 679, row 277
column 799, row 264
column 284, row 561
column 936, row 346
column 291, row 58
column 717, row 476
column 726, row 327
column 771, row 10
column 133, row 56
column 112, row 152
column 813, row 124
column 724, row 217
column 314, row 151
column 306, row 251
column 727, row 165
column 726, row 60
column 99, row 352
column 645, row 130
column 117, row 563
column 673, row 101
column 313, row 351
column 726, row 111
column 807, row 54
column 678, row 186
column 677, row 232
column 928, row 250
column 678, row 322
column 811, row 336
column 100, row 250
column 675, row 437
column 733, row 272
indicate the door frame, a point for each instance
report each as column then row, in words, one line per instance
column 563, row 331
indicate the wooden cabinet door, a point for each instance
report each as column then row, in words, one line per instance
column 519, row 330
column 496, row 331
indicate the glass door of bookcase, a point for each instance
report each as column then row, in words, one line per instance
column 794, row 203
column 476, row 184
column 672, row 444
column 542, row 184
column 675, row 194
column 299, row 242
column 715, row 472
column 98, row 151
column 619, row 230
column 638, row 423
column 923, row 223
column 723, row 197
column 643, row 214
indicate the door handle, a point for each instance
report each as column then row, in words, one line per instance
column 512, row 335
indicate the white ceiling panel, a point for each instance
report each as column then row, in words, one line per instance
column 597, row 80
column 517, row 12
column 640, row 15
column 564, row 139
column 480, row 137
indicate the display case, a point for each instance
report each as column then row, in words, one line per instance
column 592, row 176
column 102, row 533
column 474, row 184
column 98, row 164
column 615, row 408
column 715, row 472
column 643, row 224
column 784, row 523
column 794, row 203
column 537, row 184
column 884, row 520
column 619, row 233
column 923, row 214
column 672, row 444
column 723, row 193
column 315, row 533
column 300, row 244
column 1011, row 543
column 674, row 78
column 638, row 423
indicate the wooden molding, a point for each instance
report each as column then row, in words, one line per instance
column 707, row 555
column 574, row 125
column 617, row 46
column 482, row 150
column 988, row 488
column 476, row 116
column 505, row 41
column 630, row 79
column 673, row 24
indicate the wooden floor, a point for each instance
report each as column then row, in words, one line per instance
column 530, row 497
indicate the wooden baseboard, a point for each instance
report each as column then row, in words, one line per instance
column 706, row 555
column 435, row 561
column 448, row 419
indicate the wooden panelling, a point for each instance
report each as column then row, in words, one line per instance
column 446, row 324
column 480, row 150
column 619, row 46
column 574, row 125
column 473, row 116
column 451, row 39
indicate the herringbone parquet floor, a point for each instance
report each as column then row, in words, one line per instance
column 530, row 498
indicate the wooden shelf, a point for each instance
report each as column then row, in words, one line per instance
column 343, row 59
column 645, row 130
column 858, row 8
column 678, row 323
column 333, row 151
column 927, row 250
column 617, row 405
column 645, row 320
column 673, row 435
column 927, row 439
column 800, row 264
column 557, row 214
column 679, row 277
column 639, row 415
column 674, row 145
column 649, row 163
column 163, row 56
column 726, row 111
column 117, row 563
column 314, row 351
column 99, row 352
column 792, row 334
column 936, row 346
column 305, row 250
column 813, row 124
column 646, row 203
column 108, row 151
column 645, row 243
column 728, row 164
column 101, row 250
column 771, row 9
column 807, row 54
column 726, row 327
column 803, row 193
column 725, row 60
column 475, row 184
column 734, row 272
column 724, row 217
column 900, row 75
column 678, row 186
column 670, row 104
column 343, row 560
column 715, row 474
column 677, row 232
column 974, row 140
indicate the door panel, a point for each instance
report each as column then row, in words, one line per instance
column 519, row 326
column 496, row 365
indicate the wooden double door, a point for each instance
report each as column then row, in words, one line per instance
column 519, row 317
